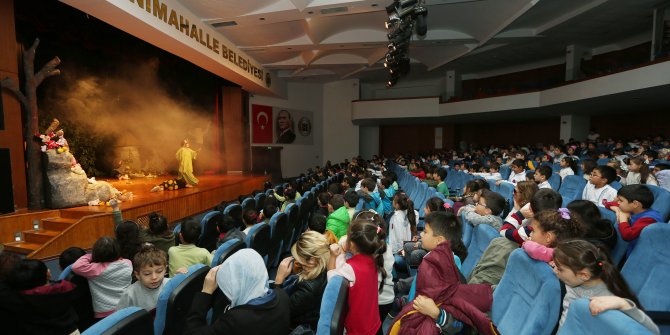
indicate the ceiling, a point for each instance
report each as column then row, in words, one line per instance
column 326, row 40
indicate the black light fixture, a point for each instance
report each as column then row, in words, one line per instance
column 403, row 16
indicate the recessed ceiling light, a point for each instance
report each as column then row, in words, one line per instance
column 310, row 12
column 289, row 48
column 262, row 19
column 374, row 5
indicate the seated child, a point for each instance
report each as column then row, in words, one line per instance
column 486, row 211
column 492, row 263
column 338, row 217
column 494, row 172
column 48, row 307
column 634, row 213
column 587, row 272
column 518, row 172
column 441, row 177
column 549, row 228
column 568, row 167
column 226, row 226
column 249, row 219
column 187, row 254
column 108, row 275
column 437, row 281
column 83, row 305
column 598, row 188
column 365, row 240
column 542, row 175
column 268, row 212
column 149, row 267
column 318, row 224
column 158, row 233
column 350, row 202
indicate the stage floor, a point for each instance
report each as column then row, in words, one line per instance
column 142, row 195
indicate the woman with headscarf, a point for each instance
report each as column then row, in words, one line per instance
column 254, row 308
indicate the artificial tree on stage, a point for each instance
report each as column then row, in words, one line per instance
column 28, row 99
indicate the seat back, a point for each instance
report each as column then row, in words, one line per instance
column 209, row 234
column 65, row 273
column 468, row 229
column 492, row 185
column 258, row 239
column 505, row 171
column 249, row 203
column 571, row 189
column 482, row 235
column 333, row 307
column 613, row 322
column 602, row 161
column 620, row 248
column 260, row 201
column 235, row 211
column 616, row 185
column 128, row 321
column 225, row 250
column 174, row 301
column 528, row 298
column 555, row 181
column 661, row 201
column 293, row 213
column 507, row 191
column 647, row 269
column 278, row 230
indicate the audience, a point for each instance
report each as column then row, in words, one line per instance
column 187, row 253
column 254, row 308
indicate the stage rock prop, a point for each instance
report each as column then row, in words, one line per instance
column 28, row 99
column 67, row 184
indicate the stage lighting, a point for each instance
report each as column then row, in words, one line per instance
column 421, row 25
column 391, row 82
column 401, row 13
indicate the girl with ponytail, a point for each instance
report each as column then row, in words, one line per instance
column 365, row 270
column 588, row 273
column 549, row 228
column 402, row 225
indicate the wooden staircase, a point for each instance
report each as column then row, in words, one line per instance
column 49, row 228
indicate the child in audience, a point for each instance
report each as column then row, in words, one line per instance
column 494, row 172
column 492, row 264
column 322, row 201
column 597, row 230
column 487, row 211
column 254, row 308
column 549, row 228
column 311, row 253
column 568, row 167
column 587, row 167
column 438, row 281
column 149, row 267
column 518, row 172
column 158, row 233
column 318, row 224
column 108, row 275
column 372, row 199
column 598, row 188
column 350, row 202
column 48, row 308
column 412, row 251
column 290, row 196
column 542, row 175
column 128, row 236
column 387, row 192
column 472, row 188
column 249, row 219
column 588, row 273
column 338, row 219
column 82, row 304
column 638, row 173
column 187, row 254
column 402, row 225
column 365, row 242
column 634, row 213
column 441, row 176
column 268, row 212
column 228, row 230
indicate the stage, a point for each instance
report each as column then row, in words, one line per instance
column 81, row 226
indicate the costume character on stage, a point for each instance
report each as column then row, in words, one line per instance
column 185, row 155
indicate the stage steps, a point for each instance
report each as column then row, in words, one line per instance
column 49, row 228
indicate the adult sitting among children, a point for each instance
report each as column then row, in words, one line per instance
column 254, row 308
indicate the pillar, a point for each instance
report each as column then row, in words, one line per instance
column 574, row 126
column 453, row 85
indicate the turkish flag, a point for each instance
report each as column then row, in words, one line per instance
column 261, row 120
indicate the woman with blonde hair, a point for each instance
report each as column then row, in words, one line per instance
column 310, row 255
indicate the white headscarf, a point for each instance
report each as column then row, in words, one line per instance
column 243, row 277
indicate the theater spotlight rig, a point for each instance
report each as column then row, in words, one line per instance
column 404, row 16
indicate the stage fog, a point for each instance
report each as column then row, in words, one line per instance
column 140, row 124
